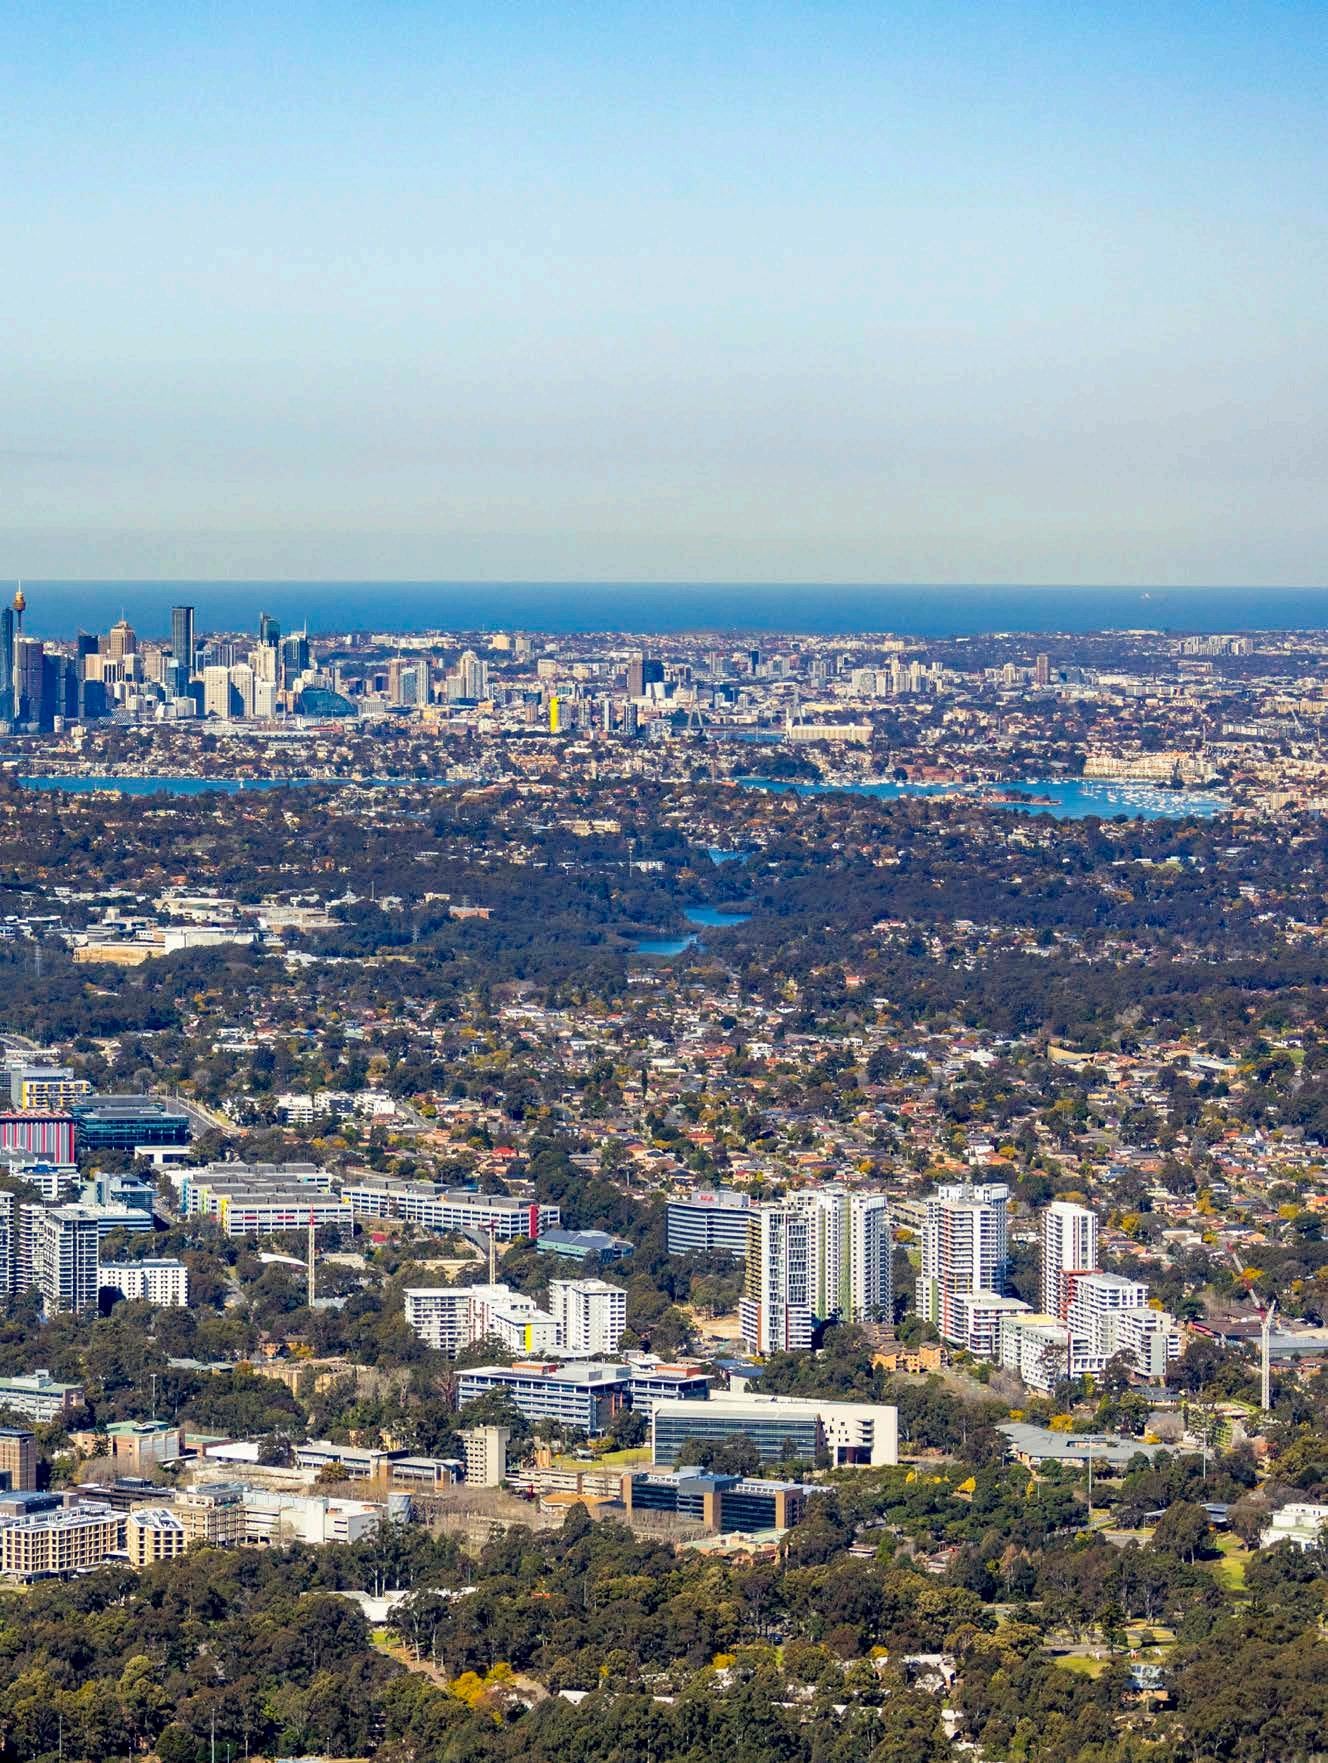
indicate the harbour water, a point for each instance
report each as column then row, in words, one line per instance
column 1070, row 799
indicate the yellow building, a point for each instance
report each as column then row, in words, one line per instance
column 69, row 1540
column 212, row 1514
column 153, row 1533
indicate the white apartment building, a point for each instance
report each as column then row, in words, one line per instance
column 591, row 1315
column 775, row 1311
column 978, row 1317
column 440, row 1209
column 1037, row 1348
column 158, row 1282
column 815, row 1256
column 965, row 1249
column 1108, row 1315
column 1069, row 1245
column 66, row 1241
column 448, row 1318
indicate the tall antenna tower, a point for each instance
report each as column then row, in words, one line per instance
column 493, row 1260
column 312, row 1286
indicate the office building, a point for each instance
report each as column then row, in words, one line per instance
column 965, row 1249
column 217, row 692
column 36, row 1396
column 712, row 1222
column 182, row 636
column 643, row 671
column 42, row 1132
column 124, row 1123
column 718, row 1503
column 1068, row 1235
column 590, row 1314
column 583, row 1245
column 352, row 1462
column 486, row 1455
column 783, row 1428
column 18, row 1457
column 653, row 1382
column 212, row 1513
column 585, row 1395
column 8, row 644
column 122, row 640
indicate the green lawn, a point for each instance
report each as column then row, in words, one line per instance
column 1084, row 1667
column 608, row 1460
column 1229, row 1569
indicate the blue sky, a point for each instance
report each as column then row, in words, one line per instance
column 780, row 292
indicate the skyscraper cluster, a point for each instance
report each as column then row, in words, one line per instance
column 817, row 1256
column 1086, row 1318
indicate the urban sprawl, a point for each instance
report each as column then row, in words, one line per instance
column 627, row 1195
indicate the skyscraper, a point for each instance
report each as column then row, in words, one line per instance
column 29, row 678
column 7, row 630
column 295, row 654
column 122, row 640
column 269, row 631
column 643, row 671
column 591, row 1315
column 965, row 1249
column 182, row 635
column 1069, row 1246
column 775, row 1312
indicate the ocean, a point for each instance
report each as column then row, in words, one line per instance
column 59, row 608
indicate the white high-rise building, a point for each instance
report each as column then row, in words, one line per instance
column 473, row 676
column 1109, row 1314
column 65, row 1256
column 591, row 1315
column 1069, row 1246
column 160, row 1282
column 816, row 1256
column 217, row 692
column 965, row 1250
column 776, row 1308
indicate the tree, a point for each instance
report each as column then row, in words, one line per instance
column 1182, row 1530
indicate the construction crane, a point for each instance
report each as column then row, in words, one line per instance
column 1266, row 1314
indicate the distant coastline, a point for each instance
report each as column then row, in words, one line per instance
column 59, row 608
